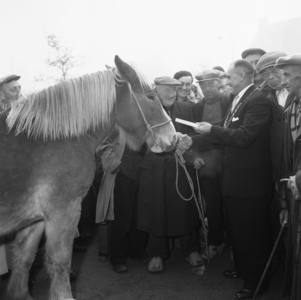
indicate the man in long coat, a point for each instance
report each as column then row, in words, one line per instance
column 291, row 66
column 162, row 211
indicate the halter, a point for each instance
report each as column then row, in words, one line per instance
column 149, row 128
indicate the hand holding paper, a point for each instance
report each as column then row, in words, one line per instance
column 203, row 127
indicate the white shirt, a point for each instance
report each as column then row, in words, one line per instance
column 281, row 96
column 238, row 96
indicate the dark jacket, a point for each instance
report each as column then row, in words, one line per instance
column 291, row 166
column 161, row 211
column 246, row 161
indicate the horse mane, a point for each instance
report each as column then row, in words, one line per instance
column 67, row 109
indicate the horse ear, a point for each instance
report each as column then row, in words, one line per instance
column 127, row 72
column 108, row 67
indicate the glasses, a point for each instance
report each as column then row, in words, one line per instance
column 268, row 72
column 185, row 85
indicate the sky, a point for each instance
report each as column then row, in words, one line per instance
column 158, row 37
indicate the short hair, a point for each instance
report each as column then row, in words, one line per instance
column 245, row 65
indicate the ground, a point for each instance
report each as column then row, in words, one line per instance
column 97, row 281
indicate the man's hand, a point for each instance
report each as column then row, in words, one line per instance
column 184, row 142
column 203, row 127
column 291, row 184
column 283, row 217
column 198, row 163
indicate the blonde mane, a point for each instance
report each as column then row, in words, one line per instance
column 68, row 109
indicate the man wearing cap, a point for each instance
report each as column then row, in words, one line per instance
column 247, row 176
column 253, row 55
column 185, row 93
column 161, row 210
column 291, row 66
column 9, row 91
column 211, row 109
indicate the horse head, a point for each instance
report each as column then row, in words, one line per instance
column 137, row 113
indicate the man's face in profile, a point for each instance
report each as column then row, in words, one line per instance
column 10, row 92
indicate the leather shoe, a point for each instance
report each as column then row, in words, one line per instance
column 231, row 274
column 121, row 268
column 244, row 294
column 103, row 257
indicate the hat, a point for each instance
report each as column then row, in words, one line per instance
column 268, row 60
column 210, row 74
column 165, row 80
column 252, row 51
column 218, row 68
column 8, row 78
column 180, row 74
column 288, row 60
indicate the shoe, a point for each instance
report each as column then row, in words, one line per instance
column 244, row 294
column 155, row 265
column 197, row 263
column 72, row 276
column 213, row 251
column 121, row 268
column 103, row 257
column 231, row 274
column 79, row 248
column 195, row 259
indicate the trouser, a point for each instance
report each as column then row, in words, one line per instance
column 212, row 192
column 104, row 234
column 249, row 227
column 126, row 239
column 158, row 246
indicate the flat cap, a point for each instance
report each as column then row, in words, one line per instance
column 210, row 74
column 165, row 80
column 268, row 60
column 249, row 51
column 288, row 60
column 219, row 68
column 8, row 78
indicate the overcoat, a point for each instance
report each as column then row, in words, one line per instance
column 292, row 165
column 161, row 210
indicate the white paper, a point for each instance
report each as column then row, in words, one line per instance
column 187, row 123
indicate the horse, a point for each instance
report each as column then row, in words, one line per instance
column 47, row 159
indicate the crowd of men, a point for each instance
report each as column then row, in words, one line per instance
column 244, row 154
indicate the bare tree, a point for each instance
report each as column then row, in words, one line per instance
column 61, row 58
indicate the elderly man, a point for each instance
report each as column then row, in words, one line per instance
column 291, row 66
column 9, row 91
column 253, row 55
column 247, row 182
column 162, row 212
column 212, row 109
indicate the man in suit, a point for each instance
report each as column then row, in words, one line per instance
column 211, row 109
column 247, row 178
column 162, row 212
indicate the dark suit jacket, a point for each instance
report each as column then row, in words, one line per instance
column 247, row 160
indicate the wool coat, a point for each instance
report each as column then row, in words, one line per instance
column 292, row 166
column 161, row 210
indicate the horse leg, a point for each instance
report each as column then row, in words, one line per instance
column 60, row 232
column 25, row 247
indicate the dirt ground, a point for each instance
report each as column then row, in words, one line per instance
column 97, row 280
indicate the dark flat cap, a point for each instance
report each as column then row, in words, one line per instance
column 247, row 52
column 180, row 74
column 219, row 68
column 268, row 60
column 165, row 80
column 210, row 74
column 9, row 78
column 288, row 60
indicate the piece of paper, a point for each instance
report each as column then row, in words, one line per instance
column 187, row 123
